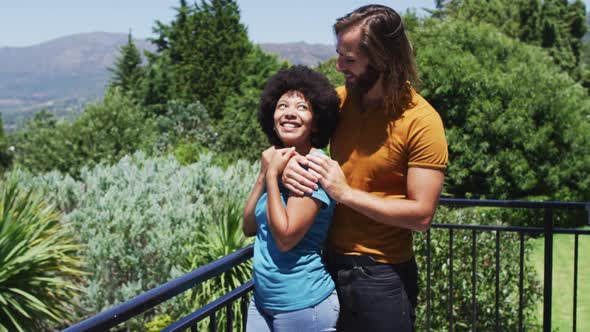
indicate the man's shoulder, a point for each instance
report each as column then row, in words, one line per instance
column 420, row 109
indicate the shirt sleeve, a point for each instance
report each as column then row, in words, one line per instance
column 320, row 194
column 427, row 144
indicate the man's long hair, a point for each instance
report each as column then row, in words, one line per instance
column 384, row 40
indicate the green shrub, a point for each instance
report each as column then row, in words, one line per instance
column 143, row 220
column 183, row 124
column 38, row 263
column 485, row 275
column 517, row 126
column 105, row 132
column 158, row 323
column 62, row 191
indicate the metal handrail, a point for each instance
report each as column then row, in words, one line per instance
column 210, row 308
column 141, row 303
column 465, row 202
column 153, row 297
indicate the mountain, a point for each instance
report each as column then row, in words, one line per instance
column 60, row 74
column 301, row 53
column 65, row 73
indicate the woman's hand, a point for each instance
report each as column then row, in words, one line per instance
column 279, row 160
column 265, row 159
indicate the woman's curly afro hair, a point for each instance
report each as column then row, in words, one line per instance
column 317, row 90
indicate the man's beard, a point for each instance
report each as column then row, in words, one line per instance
column 365, row 81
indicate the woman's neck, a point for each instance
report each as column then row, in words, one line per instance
column 302, row 149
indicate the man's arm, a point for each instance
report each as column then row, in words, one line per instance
column 415, row 212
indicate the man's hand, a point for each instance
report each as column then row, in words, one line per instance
column 298, row 180
column 330, row 174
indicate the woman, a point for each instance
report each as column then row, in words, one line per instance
column 292, row 289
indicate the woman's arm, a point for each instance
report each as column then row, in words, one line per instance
column 249, row 226
column 288, row 224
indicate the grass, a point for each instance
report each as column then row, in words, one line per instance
column 563, row 281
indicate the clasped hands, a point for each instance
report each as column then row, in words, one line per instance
column 298, row 179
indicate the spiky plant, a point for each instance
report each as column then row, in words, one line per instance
column 38, row 263
column 219, row 239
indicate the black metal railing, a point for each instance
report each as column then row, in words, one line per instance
column 548, row 230
column 144, row 302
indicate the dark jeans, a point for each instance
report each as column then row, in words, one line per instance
column 374, row 296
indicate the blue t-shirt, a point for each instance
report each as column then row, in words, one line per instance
column 297, row 278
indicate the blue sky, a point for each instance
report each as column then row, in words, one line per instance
column 29, row 22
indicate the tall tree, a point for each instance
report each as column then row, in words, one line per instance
column 239, row 135
column 158, row 85
column 207, row 47
column 127, row 71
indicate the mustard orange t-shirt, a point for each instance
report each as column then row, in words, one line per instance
column 375, row 151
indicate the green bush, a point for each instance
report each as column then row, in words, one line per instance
column 62, row 191
column 104, row 132
column 218, row 240
column 485, row 275
column 183, row 124
column 38, row 263
column 146, row 221
column 517, row 126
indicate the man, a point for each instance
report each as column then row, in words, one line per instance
column 390, row 154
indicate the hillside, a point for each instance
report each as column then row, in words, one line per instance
column 60, row 74
column 65, row 73
column 301, row 53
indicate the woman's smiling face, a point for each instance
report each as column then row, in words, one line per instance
column 293, row 120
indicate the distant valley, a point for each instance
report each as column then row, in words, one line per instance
column 65, row 73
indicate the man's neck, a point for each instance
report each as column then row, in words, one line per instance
column 374, row 97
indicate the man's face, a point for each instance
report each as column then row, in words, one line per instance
column 354, row 63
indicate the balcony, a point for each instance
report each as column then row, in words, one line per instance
column 470, row 306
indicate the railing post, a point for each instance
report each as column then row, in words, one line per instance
column 548, row 274
column 428, row 276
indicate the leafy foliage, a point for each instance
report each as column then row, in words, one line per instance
column 110, row 130
column 485, row 278
column 517, row 127
column 156, row 89
column 142, row 221
column 555, row 25
column 183, row 124
column 41, row 146
column 328, row 68
column 38, row 263
column 217, row 240
column 104, row 132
